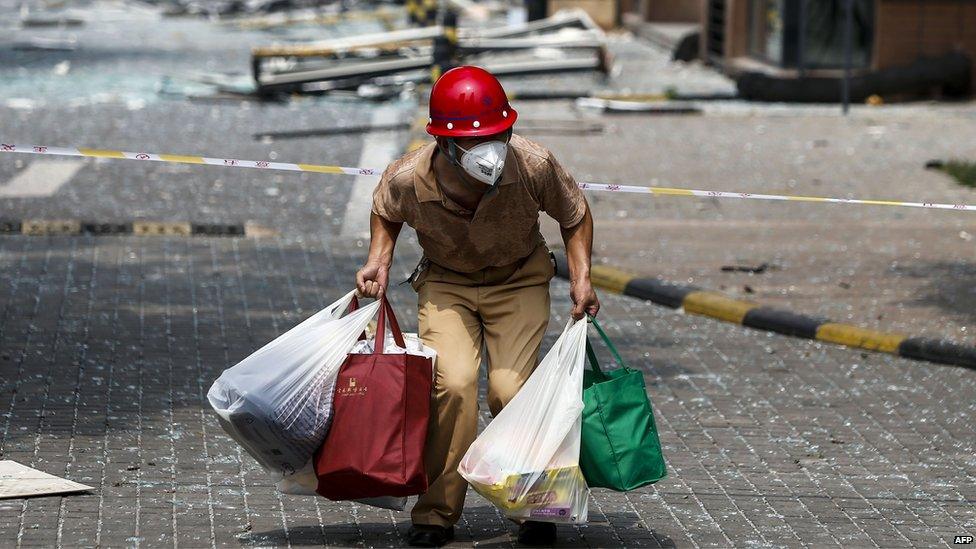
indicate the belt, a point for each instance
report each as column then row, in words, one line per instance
column 425, row 262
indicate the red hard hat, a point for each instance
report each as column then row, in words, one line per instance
column 469, row 102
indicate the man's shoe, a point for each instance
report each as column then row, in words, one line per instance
column 424, row 535
column 537, row 533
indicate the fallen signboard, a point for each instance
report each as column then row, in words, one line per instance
column 21, row 481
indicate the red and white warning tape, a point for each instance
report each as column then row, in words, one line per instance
column 185, row 159
column 319, row 168
column 670, row 191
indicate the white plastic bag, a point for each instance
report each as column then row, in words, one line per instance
column 277, row 402
column 304, row 482
column 526, row 462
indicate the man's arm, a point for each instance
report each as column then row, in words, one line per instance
column 562, row 199
column 372, row 279
column 578, row 240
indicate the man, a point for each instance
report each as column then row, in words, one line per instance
column 474, row 198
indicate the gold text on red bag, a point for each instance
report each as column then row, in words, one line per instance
column 351, row 388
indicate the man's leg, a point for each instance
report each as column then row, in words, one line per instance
column 449, row 324
column 515, row 314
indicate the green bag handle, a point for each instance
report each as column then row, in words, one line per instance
column 591, row 356
column 594, row 364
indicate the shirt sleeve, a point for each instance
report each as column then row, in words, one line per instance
column 387, row 202
column 561, row 198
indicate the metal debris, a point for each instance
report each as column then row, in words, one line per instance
column 615, row 106
column 528, row 126
column 35, row 21
column 758, row 269
column 409, row 56
column 39, row 43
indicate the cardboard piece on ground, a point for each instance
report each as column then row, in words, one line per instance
column 19, row 481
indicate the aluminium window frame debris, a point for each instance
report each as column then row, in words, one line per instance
column 407, row 56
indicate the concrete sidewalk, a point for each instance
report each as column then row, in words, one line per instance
column 109, row 345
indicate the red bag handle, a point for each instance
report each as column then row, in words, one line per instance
column 381, row 324
column 386, row 308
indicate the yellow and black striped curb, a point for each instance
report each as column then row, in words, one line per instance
column 40, row 227
column 719, row 306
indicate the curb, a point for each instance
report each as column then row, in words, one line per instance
column 42, row 227
column 715, row 305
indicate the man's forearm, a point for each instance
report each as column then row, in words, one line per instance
column 383, row 236
column 579, row 247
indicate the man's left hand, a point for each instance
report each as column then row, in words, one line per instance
column 584, row 299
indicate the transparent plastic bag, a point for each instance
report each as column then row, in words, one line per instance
column 526, row 462
column 277, row 402
column 414, row 346
column 304, row 483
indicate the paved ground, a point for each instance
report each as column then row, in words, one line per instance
column 108, row 345
column 891, row 269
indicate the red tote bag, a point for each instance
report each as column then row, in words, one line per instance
column 381, row 406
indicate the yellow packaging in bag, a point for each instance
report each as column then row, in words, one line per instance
column 552, row 497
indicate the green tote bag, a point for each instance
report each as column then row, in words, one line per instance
column 620, row 449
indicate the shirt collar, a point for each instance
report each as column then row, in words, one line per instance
column 425, row 184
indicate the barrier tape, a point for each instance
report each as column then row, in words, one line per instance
column 669, row 191
column 186, row 159
column 319, row 168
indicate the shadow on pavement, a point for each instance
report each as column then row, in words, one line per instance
column 97, row 331
column 951, row 286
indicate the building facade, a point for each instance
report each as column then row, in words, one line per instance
column 898, row 47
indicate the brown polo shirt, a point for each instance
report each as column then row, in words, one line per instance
column 505, row 226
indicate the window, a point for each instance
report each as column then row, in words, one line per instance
column 766, row 30
column 810, row 33
column 824, row 33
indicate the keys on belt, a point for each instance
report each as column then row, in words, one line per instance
column 421, row 265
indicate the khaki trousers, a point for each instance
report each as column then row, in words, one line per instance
column 505, row 310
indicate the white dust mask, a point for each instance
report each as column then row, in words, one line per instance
column 485, row 161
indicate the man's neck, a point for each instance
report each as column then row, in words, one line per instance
column 455, row 183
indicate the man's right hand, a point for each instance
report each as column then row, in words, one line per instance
column 372, row 279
